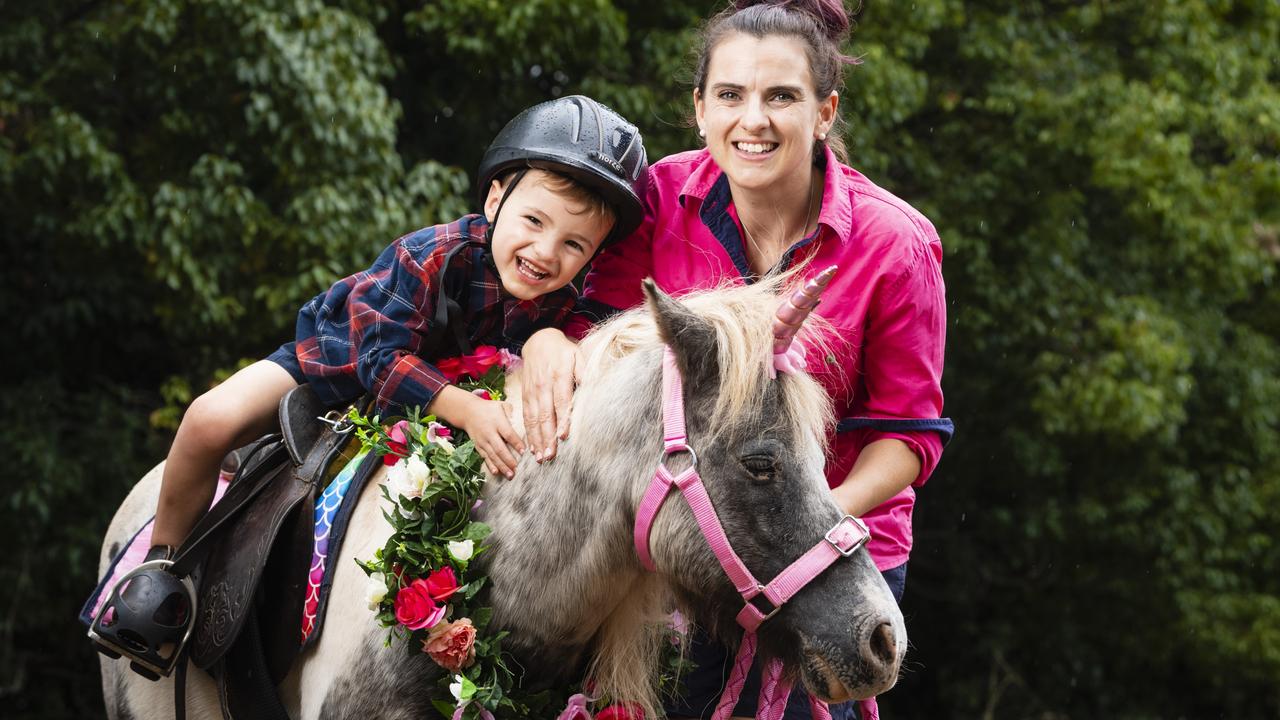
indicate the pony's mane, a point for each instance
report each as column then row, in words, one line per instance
column 741, row 317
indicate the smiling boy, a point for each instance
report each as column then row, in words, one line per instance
column 556, row 185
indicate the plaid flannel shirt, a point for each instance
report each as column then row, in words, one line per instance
column 371, row 332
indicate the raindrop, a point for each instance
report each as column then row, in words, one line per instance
column 535, row 71
column 560, row 77
column 447, row 111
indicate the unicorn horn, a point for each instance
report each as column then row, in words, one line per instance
column 794, row 310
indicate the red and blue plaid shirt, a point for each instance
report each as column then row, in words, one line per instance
column 376, row 332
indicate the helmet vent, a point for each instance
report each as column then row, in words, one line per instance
column 576, row 131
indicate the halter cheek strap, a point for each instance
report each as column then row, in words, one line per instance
column 842, row 540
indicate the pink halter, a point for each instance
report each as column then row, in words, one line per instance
column 842, row 540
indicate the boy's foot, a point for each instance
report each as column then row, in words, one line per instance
column 147, row 615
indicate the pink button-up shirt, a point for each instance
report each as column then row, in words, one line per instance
column 886, row 304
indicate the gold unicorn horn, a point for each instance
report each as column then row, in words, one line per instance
column 793, row 311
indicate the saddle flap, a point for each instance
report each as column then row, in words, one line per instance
column 272, row 538
column 299, row 424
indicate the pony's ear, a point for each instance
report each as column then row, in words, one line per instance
column 690, row 337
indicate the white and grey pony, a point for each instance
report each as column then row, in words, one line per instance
column 565, row 578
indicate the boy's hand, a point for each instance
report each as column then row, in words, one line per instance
column 487, row 422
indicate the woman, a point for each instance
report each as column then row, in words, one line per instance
column 768, row 192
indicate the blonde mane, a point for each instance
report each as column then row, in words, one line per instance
column 741, row 317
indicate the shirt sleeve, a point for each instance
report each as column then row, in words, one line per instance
column 390, row 310
column 905, row 340
column 613, row 284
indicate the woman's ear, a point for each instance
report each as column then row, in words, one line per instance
column 493, row 199
column 827, row 113
column 699, row 112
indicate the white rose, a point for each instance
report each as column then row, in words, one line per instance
column 409, row 477
column 461, row 550
column 376, row 590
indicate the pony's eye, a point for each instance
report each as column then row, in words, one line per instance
column 762, row 468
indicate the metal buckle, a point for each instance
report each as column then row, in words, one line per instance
column 760, row 594
column 866, row 535
column 340, row 423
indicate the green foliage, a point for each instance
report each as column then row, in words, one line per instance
column 1104, row 177
column 178, row 177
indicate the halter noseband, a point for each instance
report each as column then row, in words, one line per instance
column 842, row 540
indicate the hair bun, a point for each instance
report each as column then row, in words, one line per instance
column 830, row 15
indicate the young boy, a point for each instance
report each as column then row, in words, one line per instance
column 556, row 185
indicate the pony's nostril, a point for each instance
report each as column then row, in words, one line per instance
column 884, row 647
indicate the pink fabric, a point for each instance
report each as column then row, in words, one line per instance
column 886, row 303
column 137, row 550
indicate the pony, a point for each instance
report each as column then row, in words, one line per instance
column 565, row 580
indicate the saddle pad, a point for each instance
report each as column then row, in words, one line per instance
column 327, row 535
column 130, row 557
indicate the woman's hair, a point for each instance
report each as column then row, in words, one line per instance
column 822, row 25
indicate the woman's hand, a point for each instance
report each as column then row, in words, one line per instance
column 551, row 370
column 486, row 422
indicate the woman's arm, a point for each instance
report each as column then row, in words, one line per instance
column 881, row 471
column 548, row 375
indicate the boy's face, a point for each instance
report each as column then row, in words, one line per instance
column 542, row 239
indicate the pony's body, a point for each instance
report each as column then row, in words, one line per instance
column 564, row 575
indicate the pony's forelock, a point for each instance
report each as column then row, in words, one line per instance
column 741, row 317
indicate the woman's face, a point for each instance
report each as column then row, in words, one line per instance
column 759, row 111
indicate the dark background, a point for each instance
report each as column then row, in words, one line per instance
column 1100, row 540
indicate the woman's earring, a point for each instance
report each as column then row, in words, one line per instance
column 822, row 136
column 702, row 133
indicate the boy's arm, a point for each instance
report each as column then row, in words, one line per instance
column 389, row 314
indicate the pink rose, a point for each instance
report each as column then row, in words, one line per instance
column 414, row 607
column 398, row 442
column 442, row 584
column 451, row 368
column 508, row 360
column 436, row 430
column 479, row 362
column 621, row 712
column 452, row 644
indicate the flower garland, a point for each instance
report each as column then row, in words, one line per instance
column 423, row 584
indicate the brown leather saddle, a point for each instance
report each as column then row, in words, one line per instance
column 252, row 552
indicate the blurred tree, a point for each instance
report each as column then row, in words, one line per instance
column 177, row 177
column 1101, row 537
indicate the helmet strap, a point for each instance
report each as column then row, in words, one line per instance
column 506, row 193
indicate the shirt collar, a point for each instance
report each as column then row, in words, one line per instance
column 836, row 212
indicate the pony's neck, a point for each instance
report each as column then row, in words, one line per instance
column 564, row 573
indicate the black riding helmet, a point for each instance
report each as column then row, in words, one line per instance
column 577, row 137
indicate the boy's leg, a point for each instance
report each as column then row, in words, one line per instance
column 230, row 415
